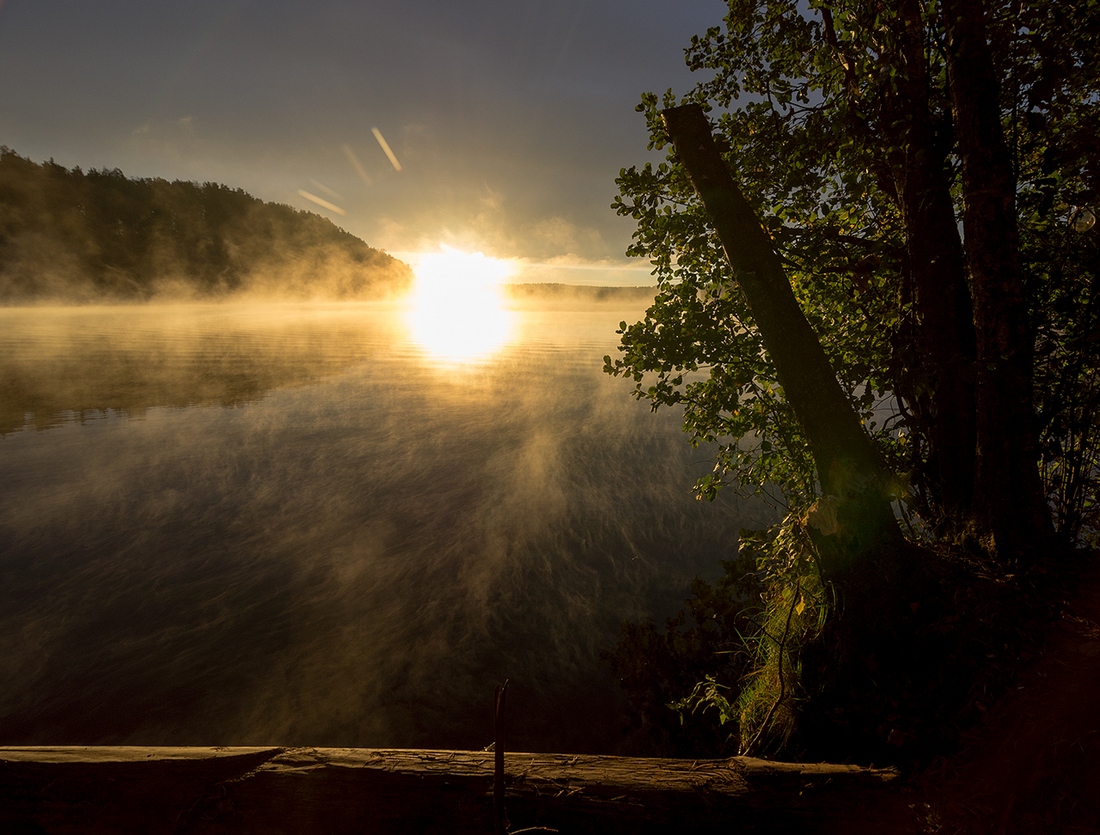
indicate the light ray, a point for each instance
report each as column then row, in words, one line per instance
column 386, row 147
column 357, row 165
column 322, row 202
column 326, row 189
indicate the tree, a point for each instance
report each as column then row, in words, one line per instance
column 1008, row 497
column 868, row 131
column 860, row 133
column 860, row 530
column 75, row 235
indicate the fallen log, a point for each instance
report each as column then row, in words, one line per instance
column 332, row 790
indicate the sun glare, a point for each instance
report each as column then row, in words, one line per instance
column 457, row 312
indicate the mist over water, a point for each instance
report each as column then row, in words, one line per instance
column 290, row 524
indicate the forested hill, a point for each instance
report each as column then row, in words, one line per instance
column 98, row 235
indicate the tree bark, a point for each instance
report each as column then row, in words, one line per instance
column 848, row 466
column 1008, row 493
column 942, row 395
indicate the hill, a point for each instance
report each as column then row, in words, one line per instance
column 72, row 235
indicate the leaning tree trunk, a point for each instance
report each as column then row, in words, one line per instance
column 862, row 557
column 852, row 478
column 1008, row 495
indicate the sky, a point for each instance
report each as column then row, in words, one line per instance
column 509, row 119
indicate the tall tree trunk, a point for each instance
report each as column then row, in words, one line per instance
column 848, row 466
column 1008, row 492
column 944, row 332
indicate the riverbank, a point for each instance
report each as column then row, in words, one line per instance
column 1032, row 766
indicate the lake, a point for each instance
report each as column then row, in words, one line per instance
column 311, row 524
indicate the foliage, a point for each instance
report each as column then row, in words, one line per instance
column 1068, row 382
column 761, row 703
column 70, row 234
column 793, row 615
column 840, row 239
column 657, row 666
column 1052, row 111
column 804, row 100
column 799, row 94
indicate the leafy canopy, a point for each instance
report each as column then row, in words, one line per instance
column 800, row 98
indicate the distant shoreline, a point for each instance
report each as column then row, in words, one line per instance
column 513, row 292
column 95, row 235
column 595, row 293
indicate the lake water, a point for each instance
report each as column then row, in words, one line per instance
column 303, row 524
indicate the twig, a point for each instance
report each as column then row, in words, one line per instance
column 747, row 750
column 500, row 818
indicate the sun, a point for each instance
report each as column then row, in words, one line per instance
column 457, row 311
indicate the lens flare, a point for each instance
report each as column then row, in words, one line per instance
column 322, row 187
column 320, row 201
column 456, row 311
column 1082, row 219
column 358, row 166
column 386, row 148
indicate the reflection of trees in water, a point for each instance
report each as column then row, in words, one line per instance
column 69, row 364
column 64, row 365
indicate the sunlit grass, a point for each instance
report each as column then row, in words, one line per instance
column 456, row 310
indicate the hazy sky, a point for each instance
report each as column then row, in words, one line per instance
column 510, row 118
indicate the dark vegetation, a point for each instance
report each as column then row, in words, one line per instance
column 98, row 235
column 879, row 303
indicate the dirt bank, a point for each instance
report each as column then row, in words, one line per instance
column 1033, row 764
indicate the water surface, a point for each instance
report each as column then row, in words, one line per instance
column 295, row 524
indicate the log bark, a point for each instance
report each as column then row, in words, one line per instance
column 335, row 790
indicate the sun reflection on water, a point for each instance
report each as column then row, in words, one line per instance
column 456, row 310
